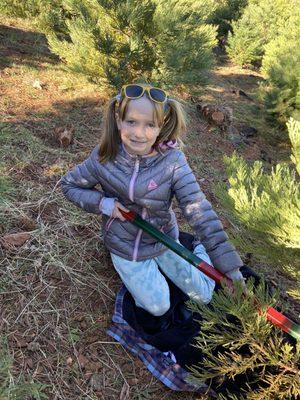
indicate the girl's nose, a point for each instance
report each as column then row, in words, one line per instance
column 139, row 131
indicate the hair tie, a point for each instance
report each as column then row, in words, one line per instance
column 118, row 97
column 166, row 106
column 167, row 144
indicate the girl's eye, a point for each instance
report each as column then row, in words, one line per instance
column 151, row 125
column 130, row 122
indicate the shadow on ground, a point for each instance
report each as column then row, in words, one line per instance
column 20, row 47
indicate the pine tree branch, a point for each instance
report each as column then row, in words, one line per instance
column 281, row 365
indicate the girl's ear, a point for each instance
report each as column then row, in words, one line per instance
column 118, row 121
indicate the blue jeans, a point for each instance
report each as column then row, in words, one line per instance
column 149, row 287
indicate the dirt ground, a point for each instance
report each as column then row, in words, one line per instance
column 58, row 288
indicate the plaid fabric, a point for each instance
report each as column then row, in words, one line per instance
column 160, row 364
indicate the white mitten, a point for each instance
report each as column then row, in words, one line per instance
column 236, row 275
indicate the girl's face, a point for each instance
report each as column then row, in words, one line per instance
column 138, row 130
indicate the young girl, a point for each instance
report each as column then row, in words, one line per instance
column 140, row 167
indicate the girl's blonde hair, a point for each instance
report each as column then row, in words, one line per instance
column 172, row 122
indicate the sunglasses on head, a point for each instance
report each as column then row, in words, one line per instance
column 135, row 91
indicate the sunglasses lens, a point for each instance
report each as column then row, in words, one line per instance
column 158, row 95
column 133, row 91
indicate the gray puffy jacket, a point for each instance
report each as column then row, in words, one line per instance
column 146, row 185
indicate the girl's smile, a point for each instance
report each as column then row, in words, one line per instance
column 138, row 130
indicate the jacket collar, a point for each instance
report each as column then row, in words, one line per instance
column 146, row 160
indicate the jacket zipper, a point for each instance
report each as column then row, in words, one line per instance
column 109, row 222
column 133, row 179
column 131, row 196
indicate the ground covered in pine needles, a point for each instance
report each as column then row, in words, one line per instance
column 57, row 283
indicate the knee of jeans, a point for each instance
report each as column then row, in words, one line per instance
column 200, row 251
column 205, row 297
column 158, row 309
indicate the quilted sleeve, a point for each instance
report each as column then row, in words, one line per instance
column 202, row 218
column 78, row 184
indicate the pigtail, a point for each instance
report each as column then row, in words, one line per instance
column 174, row 125
column 110, row 139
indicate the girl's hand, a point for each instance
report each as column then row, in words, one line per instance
column 116, row 213
column 235, row 275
